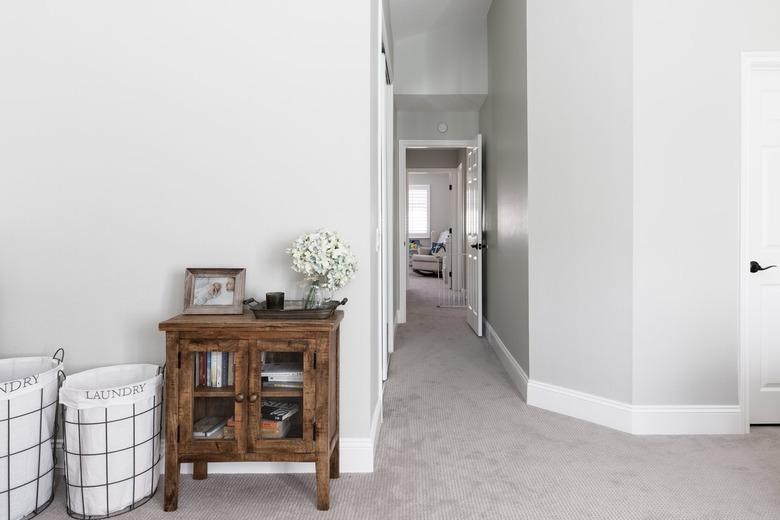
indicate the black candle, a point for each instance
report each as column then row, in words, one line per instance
column 274, row 300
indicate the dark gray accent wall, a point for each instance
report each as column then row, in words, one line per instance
column 503, row 122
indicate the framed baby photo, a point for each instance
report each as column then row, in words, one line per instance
column 214, row 291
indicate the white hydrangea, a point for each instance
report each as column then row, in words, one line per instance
column 324, row 258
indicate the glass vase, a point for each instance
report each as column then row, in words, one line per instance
column 312, row 296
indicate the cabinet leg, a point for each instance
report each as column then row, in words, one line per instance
column 171, row 486
column 334, row 462
column 200, row 470
column 323, row 482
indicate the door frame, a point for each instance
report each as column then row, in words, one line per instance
column 401, row 210
column 751, row 62
column 385, row 330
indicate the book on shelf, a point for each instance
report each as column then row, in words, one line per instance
column 214, row 369
column 269, row 429
column 229, row 431
column 224, row 369
column 283, row 384
column 275, row 429
column 209, row 427
column 277, row 410
column 289, row 373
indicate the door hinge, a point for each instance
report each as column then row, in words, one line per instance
column 178, row 434
column 450, row 231
column 450, row 187
column 178, row 361
column 314, row 360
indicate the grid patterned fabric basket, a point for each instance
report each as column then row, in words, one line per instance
column 28, row 430
column 112, row 420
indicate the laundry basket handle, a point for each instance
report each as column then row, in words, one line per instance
column 61, row 353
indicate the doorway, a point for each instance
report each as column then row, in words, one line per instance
column 443, row 242
column 760, row 240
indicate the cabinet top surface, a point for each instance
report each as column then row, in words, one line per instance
column 246, row 321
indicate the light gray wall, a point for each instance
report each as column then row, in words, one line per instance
column 686, row 301
column 137, row 139
column 432, row 158
column 440, row 199
column 504, row 125
column 448, row 59
column 423, row 125
column 580, row 193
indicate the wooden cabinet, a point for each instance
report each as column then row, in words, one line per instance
column 238, row 347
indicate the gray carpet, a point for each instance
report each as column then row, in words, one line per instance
column 459, row 443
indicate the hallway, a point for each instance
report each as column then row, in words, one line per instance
column 458, row 443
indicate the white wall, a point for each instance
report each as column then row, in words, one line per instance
column 641, row 211
column 137, row 139
column 686, row 254
column 580, row 194
column 449, row 59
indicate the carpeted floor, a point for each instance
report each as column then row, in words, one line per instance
column 459, row 443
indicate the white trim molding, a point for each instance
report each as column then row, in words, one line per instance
column 634, row 419
column 516, row 373
column 401, row 209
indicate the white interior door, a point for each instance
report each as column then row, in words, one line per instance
column 385, row 226
column 763, row 243
column 387, row 260
column 474, row 245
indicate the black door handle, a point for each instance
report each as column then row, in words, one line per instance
column 756, row 267
column 477, row 246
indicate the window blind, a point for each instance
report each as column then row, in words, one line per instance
column 419, row 211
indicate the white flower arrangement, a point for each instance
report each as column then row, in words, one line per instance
column 323, row 258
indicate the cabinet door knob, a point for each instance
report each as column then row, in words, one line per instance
column 240, row 398
column 252, row 398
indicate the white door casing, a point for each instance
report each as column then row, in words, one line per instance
column 401, row 211
column 474, row 243
column 761, row 239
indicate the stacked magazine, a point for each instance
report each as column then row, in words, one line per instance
column 277, row 418
column 209, row 427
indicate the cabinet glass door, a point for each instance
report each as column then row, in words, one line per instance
column 211, row 396
column 281, row 396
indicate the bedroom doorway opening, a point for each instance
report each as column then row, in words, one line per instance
column 440, row 223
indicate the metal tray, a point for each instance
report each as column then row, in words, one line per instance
column 293, row 310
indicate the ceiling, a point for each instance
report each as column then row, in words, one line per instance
column 413, row 17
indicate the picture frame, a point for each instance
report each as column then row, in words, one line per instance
column 211, row 290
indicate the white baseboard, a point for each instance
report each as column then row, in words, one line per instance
column 357, row 456
column 635, row 419
column 513, row 369
column 579, row 405
column 688, row 420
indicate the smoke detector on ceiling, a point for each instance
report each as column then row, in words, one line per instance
column 443, row 127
